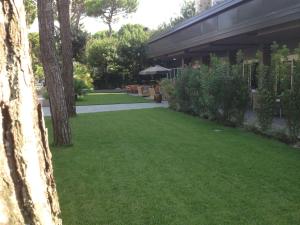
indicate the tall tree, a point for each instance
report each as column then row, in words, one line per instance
column 132, row 50
column 54, row 83
column 63, row 7
column 188, row 9
column 102, row 55
column 110, row 11
column 27, row 188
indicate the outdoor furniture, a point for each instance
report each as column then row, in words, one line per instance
column 152, row 93
column 143, row 91
column 132, row 89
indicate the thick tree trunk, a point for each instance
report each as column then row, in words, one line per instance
column 59, row 113
column 63, row 7
column 27, row 188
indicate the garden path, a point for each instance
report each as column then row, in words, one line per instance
column 111, row 108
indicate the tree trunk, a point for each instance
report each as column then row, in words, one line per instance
column 110, row 31
column 27, row 188
column 63, row 7
column 59, row 113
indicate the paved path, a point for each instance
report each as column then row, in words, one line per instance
column 111, row 108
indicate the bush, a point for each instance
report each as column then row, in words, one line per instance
column 196, row 90
column 219, row 90
column 181, row 93
column 266, row 95
column 79, row 88
column 240, row 94
column 219, row 93
column 167, row 90
column 291, row 100
column 228, row 95
column 83, row 81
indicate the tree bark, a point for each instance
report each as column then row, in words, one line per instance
column 54, row 83
column 63, row 7
column 27, row 187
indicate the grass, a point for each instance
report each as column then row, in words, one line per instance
column 158, row 167
column 110, row 98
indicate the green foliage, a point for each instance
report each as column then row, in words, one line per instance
column 31, row 11
column 35, row 55
column 39, row 72
column 118, row 58
column 241, row 94
column 227, row 91
column 103, row 34
column 83, row 81
column 167, row 89
column 266, row 95
column 110, row 10
column 79, row 88
column 188, row 9
column 102, row 54
column 291, row 94
column 219, row 92
column 182, row 92
column 79, row 41
column 82, row 72
column 132, row 58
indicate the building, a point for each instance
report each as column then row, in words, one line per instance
column 249, row 25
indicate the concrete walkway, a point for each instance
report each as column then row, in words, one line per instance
column 111, row 108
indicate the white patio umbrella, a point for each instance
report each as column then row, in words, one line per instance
column 154, row 70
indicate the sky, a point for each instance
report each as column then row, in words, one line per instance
column 150, row 13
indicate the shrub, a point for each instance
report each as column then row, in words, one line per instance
column 167, row 90
column 241, row 95
column 82, row 72
column 83, row 81
column 266, row 96
column 196, row 90
column 291, row 100
column 181, row 93
column 220, row 92
column 79, row 88
column 228, row 95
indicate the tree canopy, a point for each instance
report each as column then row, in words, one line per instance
column 31, row 11
column 187, row 11
column 131, row 49
column 102, row 53
column 118, row 58
column 110, row 11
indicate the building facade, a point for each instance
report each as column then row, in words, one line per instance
column 247, row 25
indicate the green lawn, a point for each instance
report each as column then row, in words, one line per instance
column 110, row 98
column 159, row 167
